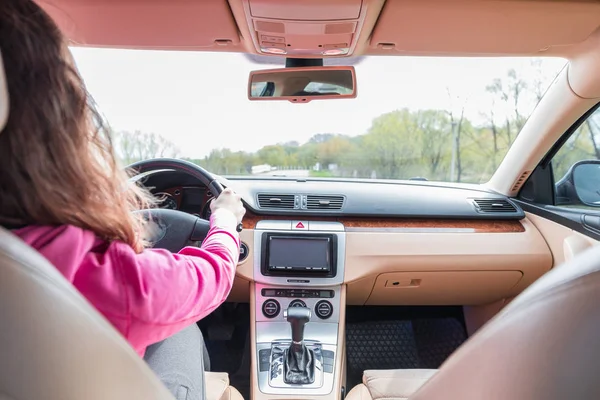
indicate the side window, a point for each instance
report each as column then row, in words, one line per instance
column 258, row 89
column 576, row 167
column 262, row 89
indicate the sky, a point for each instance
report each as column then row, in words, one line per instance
column 198, row 100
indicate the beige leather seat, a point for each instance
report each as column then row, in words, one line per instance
column 218, row 388
column 54, row 345
column 390, row 384
column 545, row 345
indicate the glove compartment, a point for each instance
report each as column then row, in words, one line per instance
column 442, row 287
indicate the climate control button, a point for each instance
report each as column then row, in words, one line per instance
column 323, row 309
column 271, row 308
column 297, row 303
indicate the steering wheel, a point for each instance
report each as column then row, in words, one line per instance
column 173, row 229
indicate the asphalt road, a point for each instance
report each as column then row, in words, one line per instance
column 289, row 172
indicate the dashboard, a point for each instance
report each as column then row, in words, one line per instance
column 343, row 198
column 326, row 244
column 190, row 199
column 387, row 243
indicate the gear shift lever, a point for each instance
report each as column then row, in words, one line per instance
column 299, row 361
column 297, row 317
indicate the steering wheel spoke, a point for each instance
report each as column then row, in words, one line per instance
column 200, row 230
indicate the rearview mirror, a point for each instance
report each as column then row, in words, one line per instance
column 580, row 185
column 303, row 84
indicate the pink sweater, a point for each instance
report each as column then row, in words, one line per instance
column 148, row 296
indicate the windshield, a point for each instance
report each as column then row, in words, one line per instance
column 441, row 119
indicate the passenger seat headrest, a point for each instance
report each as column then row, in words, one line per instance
column 4, row 105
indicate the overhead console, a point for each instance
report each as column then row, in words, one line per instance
column 305, row 28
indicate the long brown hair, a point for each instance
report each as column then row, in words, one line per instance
column 57, row 163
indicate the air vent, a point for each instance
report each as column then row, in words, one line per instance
column 520, row 181
column 494, row 206
column 277, row 201
column 315, row 202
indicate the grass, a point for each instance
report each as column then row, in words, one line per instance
column 321, row 174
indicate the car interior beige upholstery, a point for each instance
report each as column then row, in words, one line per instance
column 540, row 346
column 218, row 388
column 390, row 384
column 564, row 243
column 56, row 346
column 372, row 27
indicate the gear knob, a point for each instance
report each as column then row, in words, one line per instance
column 297, row 317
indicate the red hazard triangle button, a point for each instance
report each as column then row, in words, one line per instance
column 300, row 225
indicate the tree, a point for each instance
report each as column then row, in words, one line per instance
column 594, row 132
column 516, row 87
column 509, row 91
column 307, row 155
column 227, row 162
column 435, row 138
column 402, row 144
column 393, row 144
column 540, row 82
column 494, row 132
column 274, row 155
column 291, row 150
column 333, row 150
column 456, row 124
column 137, row 145
column 321, row 138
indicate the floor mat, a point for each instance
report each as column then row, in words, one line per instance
column 437, row 339
column 400, row 344
column 379, row 345
column 241, row 378
column 224, row 356
column 228, row 345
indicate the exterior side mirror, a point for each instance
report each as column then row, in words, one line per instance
column 580, row 185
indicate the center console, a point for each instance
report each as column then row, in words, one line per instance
column 299, row 271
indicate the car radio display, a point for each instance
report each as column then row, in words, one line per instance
column 299, row 254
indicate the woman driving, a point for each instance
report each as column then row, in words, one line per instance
column 63, row 192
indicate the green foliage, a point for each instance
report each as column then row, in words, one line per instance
column 224, row 161
column 584, row 144
column 321, row 174
column 400, row 144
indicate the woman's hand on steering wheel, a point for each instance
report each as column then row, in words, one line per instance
column 174, row 229
column 230, row 201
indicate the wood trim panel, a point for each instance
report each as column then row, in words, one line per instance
column 392, row 224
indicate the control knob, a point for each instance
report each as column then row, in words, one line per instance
column 323, row 309
column 271, row 308
column 297, row 303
